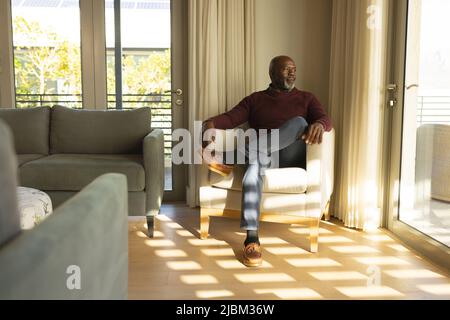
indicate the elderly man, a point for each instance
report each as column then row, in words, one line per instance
column 301, row 120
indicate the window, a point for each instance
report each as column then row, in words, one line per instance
column 47, row 57
column 145, row 27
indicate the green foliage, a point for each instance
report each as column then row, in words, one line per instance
column 142, row 75
column 51, row 64
column 44, row 60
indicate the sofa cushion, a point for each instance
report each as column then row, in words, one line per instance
column 30, row 128
column 278, row 180
column 24, row 158
column 98, row 132
column 72, row 172
column 9, row 214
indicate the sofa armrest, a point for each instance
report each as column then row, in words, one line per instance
column 86, row 239
column 154, row 170
column 320, row 174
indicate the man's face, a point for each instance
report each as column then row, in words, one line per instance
column 284, row 74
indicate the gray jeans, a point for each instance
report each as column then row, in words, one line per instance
column 291, row 152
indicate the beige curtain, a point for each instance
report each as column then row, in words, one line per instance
column 357, row 104
column 221, row 64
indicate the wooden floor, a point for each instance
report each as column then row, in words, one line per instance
column 177, row 265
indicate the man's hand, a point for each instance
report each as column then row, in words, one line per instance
column 314, row 133
column 205, row 126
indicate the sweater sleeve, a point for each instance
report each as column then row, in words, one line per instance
column 235, row 117
column 316, row 113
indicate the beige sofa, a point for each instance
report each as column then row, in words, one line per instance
column 290, row 195
column 61, row 150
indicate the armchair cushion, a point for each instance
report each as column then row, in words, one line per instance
column 277, row 180
column 276, row 203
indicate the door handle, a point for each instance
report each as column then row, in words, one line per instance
column 392, row 93
column 178, row 92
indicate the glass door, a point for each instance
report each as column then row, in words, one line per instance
column 421, row 128
column 47, row 52
column 146, row 36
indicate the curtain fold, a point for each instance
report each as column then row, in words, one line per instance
column 221, row 59
column 357, row 103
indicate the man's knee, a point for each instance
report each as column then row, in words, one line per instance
column 300, row 121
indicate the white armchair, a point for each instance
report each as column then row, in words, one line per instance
column 433, row 162
column 290, row 195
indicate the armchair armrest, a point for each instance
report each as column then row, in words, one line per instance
column 154, row 170
column 320, row 174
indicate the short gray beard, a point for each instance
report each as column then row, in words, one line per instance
column 289, row 87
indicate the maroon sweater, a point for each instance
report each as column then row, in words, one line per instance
column 269, row 109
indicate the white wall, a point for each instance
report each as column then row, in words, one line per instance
column 300, row 29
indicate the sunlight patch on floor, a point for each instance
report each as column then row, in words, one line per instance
column 315, row 262
column 437, row 289
column 398, row 247
column 271, row 240
column 291, row 293
column 211, row 294
column 141, row 234
column 263, row 277
column 184, row 233
column 162, row 217
column 338, row 275
column 306, row 231
column 158, row 234
column 175, row 253
column 413, row 274
column 354, row 249
column 379, row 238
column 369, row 292
column 207, row 242
column 173, row 225
column 198, row 279
column 385, row 260
column 218, row 252
column 159, row 243
column 183, row 265
column 334, row 239
column 235, row 264
column 286, row 250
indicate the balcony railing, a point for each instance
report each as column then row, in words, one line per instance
column 433, row 109
column 160, row 105
column 49, row 99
